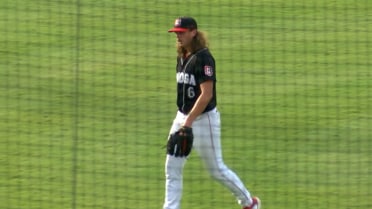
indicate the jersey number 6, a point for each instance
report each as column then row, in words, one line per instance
column 190, row 92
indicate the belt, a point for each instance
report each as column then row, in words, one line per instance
column 205, row 111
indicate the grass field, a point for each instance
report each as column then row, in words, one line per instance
column 87, row 96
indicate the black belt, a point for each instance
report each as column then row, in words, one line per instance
column 206, row 110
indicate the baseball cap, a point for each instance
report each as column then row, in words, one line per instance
column 183, row 24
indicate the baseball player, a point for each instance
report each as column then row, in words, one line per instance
column 197, row 123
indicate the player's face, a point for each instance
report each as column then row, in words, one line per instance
column 184, row 38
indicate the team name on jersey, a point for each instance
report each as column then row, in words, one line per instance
column 186, row 78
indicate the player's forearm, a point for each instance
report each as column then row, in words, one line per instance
column 199, row 106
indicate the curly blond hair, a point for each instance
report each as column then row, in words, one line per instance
column 199, row 41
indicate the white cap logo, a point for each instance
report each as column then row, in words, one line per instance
column 177, row 22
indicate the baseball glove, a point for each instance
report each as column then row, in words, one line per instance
column 180, row 142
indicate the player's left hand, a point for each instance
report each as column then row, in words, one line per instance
column 180, row 142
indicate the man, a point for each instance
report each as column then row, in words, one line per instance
column 197, row 123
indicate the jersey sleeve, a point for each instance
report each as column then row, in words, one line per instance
column 206, row 69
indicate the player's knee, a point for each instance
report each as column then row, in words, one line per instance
column 174, row 166
column 219, row 174
column 173, row 177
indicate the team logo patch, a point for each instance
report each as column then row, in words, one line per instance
column 177, row 22
column 208, row 70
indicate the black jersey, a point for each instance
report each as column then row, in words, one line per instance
column 191, row 72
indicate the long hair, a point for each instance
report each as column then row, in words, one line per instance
column 199, row 41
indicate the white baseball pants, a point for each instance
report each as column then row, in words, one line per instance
column 207, row 134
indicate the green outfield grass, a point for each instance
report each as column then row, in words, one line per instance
column 87, row 96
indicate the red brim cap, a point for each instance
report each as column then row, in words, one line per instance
column 178, row 29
